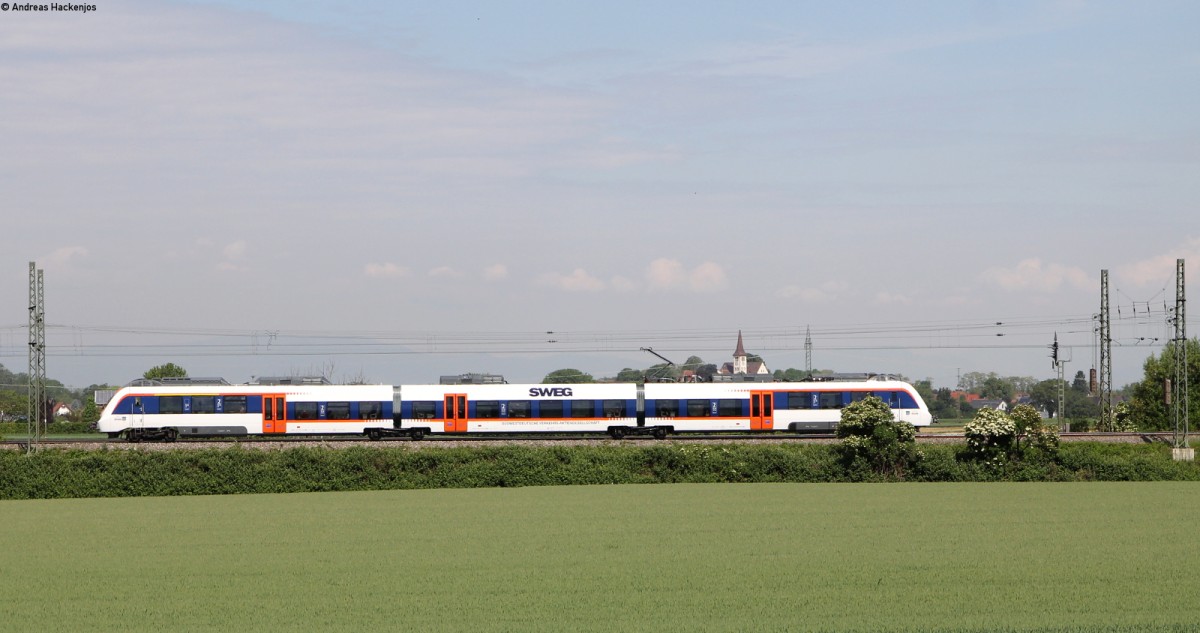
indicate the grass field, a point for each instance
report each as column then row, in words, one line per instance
column 720, row 557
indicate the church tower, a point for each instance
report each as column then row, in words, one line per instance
column 739, row 357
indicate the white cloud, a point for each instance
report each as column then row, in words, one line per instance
column 62, row 258
column 825, row 293
column 708, row 277
column 236, row 250
column 1161, row 269
column 891, row 298
column 445, row 272
column 669, row 274
column 623, row 284
column 1032, row 274
column 578, row 281
column 495, row 272
column 385, row 270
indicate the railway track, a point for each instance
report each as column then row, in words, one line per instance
column 500, row 440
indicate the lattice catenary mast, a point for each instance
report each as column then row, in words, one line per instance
column 1179, row 389
column 38, row 408
column 1106, row 408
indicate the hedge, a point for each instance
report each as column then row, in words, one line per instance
column 56, row 473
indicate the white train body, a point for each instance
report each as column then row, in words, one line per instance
column 169, row 411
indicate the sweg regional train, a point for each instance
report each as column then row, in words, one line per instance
column 168, row 411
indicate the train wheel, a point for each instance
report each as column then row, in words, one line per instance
column 617, row 433
column 170, row 435
column 374, row 435
column 417, row 434
column 660, row 433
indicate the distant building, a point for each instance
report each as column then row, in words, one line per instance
column 473, row 379
column 742, row 368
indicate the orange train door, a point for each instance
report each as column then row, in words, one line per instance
column 455, row 417
column 762, row 411
column 274, row 414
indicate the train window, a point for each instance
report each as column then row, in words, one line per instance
column 337, row 411
column 551, row 409
column 424, row 410
column 799, row 400
column 831, row 400
column 306, row 410
column 170, row 404
column 729, row 407
column 666, row 408
column 520, row 408
column 614, row 409
column 583, row 408
column 487, row 408
column 697, row 408
column 204, row 404
column 234, row 404
column 370, row 410
column 856, row 396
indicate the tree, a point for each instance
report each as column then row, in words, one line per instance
column 1045, row 395
column 997, row 388
column 1080, row 384
column 567, row 376
column 169, row 370
column 630, row 375
column 1147, row 408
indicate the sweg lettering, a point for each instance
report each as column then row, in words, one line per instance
column 545, row 392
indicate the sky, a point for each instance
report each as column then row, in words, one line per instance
column 393, row 191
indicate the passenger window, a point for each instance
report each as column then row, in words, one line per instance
column 234, row 404
column 666, row 408
column 306, row 410
column 204, row 404
column 170, row 404
column 551, row 409
column 370, row 410
column 519, row 408
column 583, row 408
column 614, row 409
column 729, row 408
column 424, row 410
column 697, row 408
column 337, row 411
column 487, row 408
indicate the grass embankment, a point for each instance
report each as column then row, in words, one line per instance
column 1086, row 558
column 53, row 473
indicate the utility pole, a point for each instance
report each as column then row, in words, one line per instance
column 38, row 408
column 1179, row 388
column 808, row 351
column 1106, row 408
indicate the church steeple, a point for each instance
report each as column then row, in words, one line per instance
column 739, row 357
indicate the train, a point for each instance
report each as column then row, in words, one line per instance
column 151, row 410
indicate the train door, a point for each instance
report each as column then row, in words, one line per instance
column 274, row 414
column 762, row 410
column 455, row 417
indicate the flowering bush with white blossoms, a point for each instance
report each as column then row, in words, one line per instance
column 871, row 434
column 995, row 435
column 990, row 432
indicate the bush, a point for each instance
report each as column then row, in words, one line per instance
column 872, row 439
column 56, row 473
column 990, row 435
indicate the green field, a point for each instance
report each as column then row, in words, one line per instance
column 685, row 557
